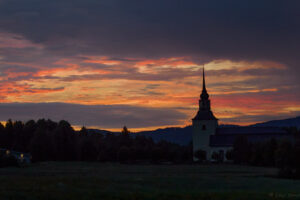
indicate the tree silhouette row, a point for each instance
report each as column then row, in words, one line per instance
column 46, row 140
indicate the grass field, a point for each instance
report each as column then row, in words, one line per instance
column 71, row 180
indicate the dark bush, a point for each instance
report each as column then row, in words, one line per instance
column 8, row 161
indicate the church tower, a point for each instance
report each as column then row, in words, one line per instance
column 204, row 124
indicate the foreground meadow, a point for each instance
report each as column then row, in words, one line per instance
column 80, row 180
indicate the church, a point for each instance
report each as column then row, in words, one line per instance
column 208, row 136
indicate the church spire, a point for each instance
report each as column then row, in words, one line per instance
column 204, row 95
column 203, row 83
column 204, row 112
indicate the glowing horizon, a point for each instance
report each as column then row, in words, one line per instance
column 131, row 64
column 232, row 86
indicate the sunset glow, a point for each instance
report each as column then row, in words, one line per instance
column 97, row 66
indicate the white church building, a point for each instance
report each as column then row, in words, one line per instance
column 208, row 136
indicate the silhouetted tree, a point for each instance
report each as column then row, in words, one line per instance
column 241, row 150
column 125, row 131
column 284, row 154
column 124, row 154
column 268, row 154
column 47, row 140
column 89, row 150
column 83, row 131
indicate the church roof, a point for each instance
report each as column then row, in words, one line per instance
column 242, row 130
column 226, row 136
column 204, row 115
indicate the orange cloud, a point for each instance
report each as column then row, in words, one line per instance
column 158, row 83
column 102, row 60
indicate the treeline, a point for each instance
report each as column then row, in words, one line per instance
column 284, row 155
column 46, row 140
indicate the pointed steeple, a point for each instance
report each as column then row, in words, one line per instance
column 203, row 83
column 204, row 95
column 204, row 112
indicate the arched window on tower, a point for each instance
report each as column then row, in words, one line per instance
column 203, row 127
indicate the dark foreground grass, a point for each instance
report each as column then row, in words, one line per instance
column 71, row 180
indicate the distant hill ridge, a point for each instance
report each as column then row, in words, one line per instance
column 290, row 122
column 183, row 136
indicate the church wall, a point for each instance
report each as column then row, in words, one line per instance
column 202, row 129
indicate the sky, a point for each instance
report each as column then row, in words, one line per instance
column 110, row 63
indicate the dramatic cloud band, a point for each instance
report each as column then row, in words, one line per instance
column 149, row 54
